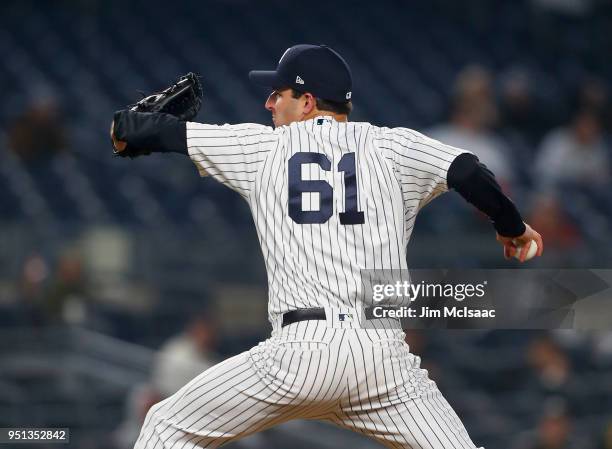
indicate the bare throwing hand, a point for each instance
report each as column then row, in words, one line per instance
column 511, row 244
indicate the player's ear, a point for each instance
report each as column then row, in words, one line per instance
column 310, row 103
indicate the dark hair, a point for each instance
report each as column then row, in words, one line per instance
column 327, row 105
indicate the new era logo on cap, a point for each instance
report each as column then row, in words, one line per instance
column 348, row 95
column 299, row 80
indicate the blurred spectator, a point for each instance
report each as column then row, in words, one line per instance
column 549, row 363
column 32, row 283
column 185, row 356
column 39, row 133
column 552, row 374
column 553, row 429
column 68, row 292
column 550, row 219
column 473, row 114
column 592, row 94
column 575, row 154
column 606, row 441
column 51, row 297
column 522, row 119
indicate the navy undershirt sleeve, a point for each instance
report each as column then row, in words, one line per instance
column 477, row 184
column 152, row 131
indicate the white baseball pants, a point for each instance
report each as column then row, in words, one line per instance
column 361, row 379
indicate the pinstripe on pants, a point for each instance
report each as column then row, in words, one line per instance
column 362, row 379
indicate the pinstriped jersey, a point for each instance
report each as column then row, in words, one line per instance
column 328, row 198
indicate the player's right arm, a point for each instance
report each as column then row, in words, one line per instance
column 232, row 154
column 477, row 185
column 430, row 167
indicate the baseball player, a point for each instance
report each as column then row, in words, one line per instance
column 329, row 198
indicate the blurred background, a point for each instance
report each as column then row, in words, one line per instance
column 122, row 279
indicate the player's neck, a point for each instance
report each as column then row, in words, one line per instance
column 319, row 113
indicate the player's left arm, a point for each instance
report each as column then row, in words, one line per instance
column 147, row 132
column 231, row 154
column 477, row 185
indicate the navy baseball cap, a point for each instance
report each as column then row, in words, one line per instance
column 310, row 68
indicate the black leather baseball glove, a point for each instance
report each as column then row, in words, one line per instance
column 183, row 99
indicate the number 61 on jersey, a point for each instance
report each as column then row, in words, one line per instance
column 297, row 186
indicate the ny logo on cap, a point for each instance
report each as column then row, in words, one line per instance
column 299, row 80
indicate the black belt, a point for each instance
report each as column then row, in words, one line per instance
column 316, row 313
